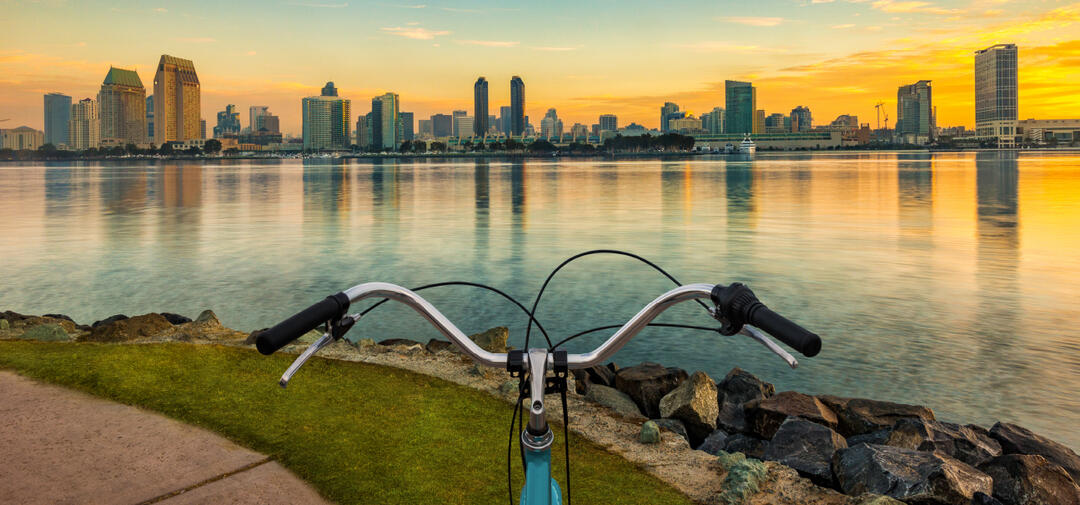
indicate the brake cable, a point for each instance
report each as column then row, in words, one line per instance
column 613, row 326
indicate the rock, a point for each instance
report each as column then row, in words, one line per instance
column 744, row 479
column 737, row 388
column 874, row 438
column 309, row 337
column 745, row 444
column 714, row 443
column 108, row 320
column 581, row 381
column 694, row 403
column 673, row 425
column 207, row 327
column 960, row 442
column 46, row 333
column 508, row 387
column 807, row 447
column 857, row 416
column 764, row 417
column 59, row 316
column 614, row 399
column 984, row 499
column 602, row 375
column 250, row 340
column 4, row 325
column 476, row 369
column 1019, row 440
column 364, row 343
column 907, row 475
column 871, row 499
column 400, row 341
column 493, row 340
column 1030, row 479
column 647, row 383
column 207, row 316
column 125, row 328
column 178, row 319
column 650, row 433
column 435, row 345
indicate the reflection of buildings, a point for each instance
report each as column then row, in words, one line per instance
column 997, row 241
column 482, row 198
column 181, row 185
column 915, row 196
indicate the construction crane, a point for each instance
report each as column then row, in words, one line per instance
column 878, row 106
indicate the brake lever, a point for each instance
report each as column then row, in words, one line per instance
column 333, row 332
column 760, row 336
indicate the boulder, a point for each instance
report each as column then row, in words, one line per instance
column 126, row 329
column 435, row 345
column 177, row 318
column 743, row 480
column 650, row 433
column 581, row 381
column 493, row 340
column 857, row 416
column 764, row 417
column 206, row 327
column 1019, row 440
column 400, row 341
column 1030, row 479
column 60, row 316
column 108, row 320
column 46, row 333
column 250, row 340
column 918, row 477
column 745, row 444
column 602, row 375
column 960, row 442
column 694, row 403
column 807, row 447
column 714, row 443
column 4, row 325
column 984, row 499
column 737, row 388
column 874, row 438
column 614, row 399
column 647, row 383
column 673, row 425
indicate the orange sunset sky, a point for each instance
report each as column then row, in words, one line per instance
column 583, row 58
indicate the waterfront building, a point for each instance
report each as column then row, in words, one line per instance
column 686, row 124
column 801, row 120
column 740, row 102
column 551, row 126
column 595, row 129
column 480, row 107
column 57, row 115
column 914, row 113
column 363, row 131
column 228, row 122
column 845, row 121
column 202, row 129
column 996, row 94
column 465, row 126
column 774, row 123
column 518, row 120
column 325, row 120
column 579, row 131
column 458, row 115
column 759, row 121
column 405, row 125
column 442, row 125
column 150, row 118
column 260, row 118
column 385, row 110
column 23, row 138
column 667, row 112
column 1056, row 132
column 425, row 129
column 774, row 141
column 176, row 101
column 83, row 128
column 609, row 123
column 713, row 122
column 122, row 108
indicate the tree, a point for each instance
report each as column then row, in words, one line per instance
column 541, row 146
column 439, row 147
column 47, row 150
column 212, row 146
column 132, row 149
column 166, row 149
column 419, row 146
column 194, row 150
column 405, row 147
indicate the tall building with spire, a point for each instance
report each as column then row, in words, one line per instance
column 122, row 108
column 480, row 107
column 517, row 106
column 57, row 115
column 326, row 120
column 176, row 101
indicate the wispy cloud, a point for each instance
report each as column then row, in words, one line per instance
column 908, row 6
column 319, row 5
column 843, row 26
column 407, row 6
column 414, row 32
column 456, row 9
column 251, row 53
column 753, row 20
column 161, row 9
column 712, row 46
column 556, row 49
column 197, row 40
column 489, row 43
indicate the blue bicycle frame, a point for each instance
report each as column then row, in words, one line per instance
column 540, row 488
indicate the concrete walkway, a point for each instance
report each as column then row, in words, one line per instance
column 63, row 446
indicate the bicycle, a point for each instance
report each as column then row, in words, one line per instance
column 735, row 306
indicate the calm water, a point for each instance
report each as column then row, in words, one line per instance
column 949, row 280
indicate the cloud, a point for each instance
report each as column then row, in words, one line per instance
column 455, row 9
column 556, row 49
column 407, row 6
column 908, row 6
column 251, row 53
column 319, row 5
column 489, row 43
column 198, row 40
column 822, row 1
column 713, row 46
column 161, row 9
column 843, row 26
column 414, row 32
column 753, row 20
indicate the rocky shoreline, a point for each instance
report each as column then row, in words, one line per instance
column 729, row 441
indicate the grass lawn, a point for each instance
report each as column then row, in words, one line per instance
column 359, row 433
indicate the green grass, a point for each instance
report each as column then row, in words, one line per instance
column 359, row 433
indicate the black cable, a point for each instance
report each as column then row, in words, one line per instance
column 566, row 437
column 475, row 285
column 613, row 326
column 509, row 448
column 536, row 303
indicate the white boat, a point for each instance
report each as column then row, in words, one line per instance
column 747, row 146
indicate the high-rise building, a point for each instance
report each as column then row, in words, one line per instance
column 685, row 124
column 57, row 115
column 442, row 125
column 465, row 126
column 363, row 131
column 846, row 121
column 774, row 123
column 326, row 120
column 914, row 113
column 579, row 131
column 255, row 113
column 713, row 122
column 459, row 115
column 480, row 107
column 384, row 121
column 551, row 126
column 740, row 102
column 228, row 122
column 424, row 128
column 759, row 121
column 405, row 125
column 150, row 118
column 609, row 123
column 504, row 121
column 801, row 120
column 84, row 126
column 329, row 89
column 202, row 129
column 517, row 107
column 667, row 113
column 996, row 94
column 122, row 108
column 176, row 101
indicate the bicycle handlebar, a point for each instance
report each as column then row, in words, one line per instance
column 285, row 332
column 737, row 305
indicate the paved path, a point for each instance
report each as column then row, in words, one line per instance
column 63, row 446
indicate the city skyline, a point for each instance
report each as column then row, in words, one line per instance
column 836, row 57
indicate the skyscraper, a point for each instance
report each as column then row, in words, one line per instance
column 517, row 106
column 458, row 116
column 504, row 121
column 57, row 115
column 801, row 120
column 326, row 120
column 442, row 125
column 83, row 131
column 480, row 107
column 150, row 118
column 666, row 112
column 176, row 100
column 254, row 113
column 713, row 122
column 608, row 122
column 740, row 106
column 329, row 89
column 551, row 126
column 996, row 94
column 914, row 113
column 405, row 125
column 122, row 107
column 228, row 122
column 384, row 121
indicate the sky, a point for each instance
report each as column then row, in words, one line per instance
column 584, row 58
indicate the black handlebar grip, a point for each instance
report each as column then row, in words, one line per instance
column 783, row 329
column 331, row 307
